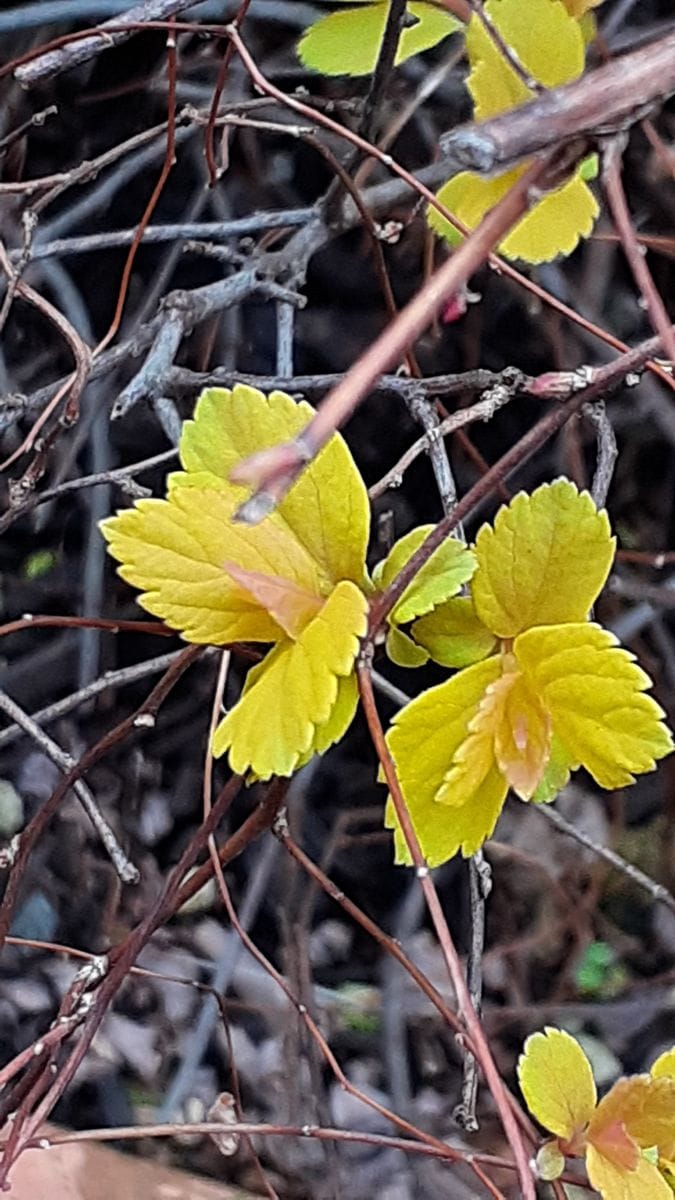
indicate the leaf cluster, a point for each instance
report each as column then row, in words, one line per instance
column 538, row 691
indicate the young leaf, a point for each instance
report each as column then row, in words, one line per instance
column 175, row 550
column 645, row 1107
column 327, row 509
column 544, row 562
column 348, row 42
column 295, row 691
column 522, row 738
column 453, row 635
column 451, row 565
column 291, row 606
column 615, row 1182
column 556, row 1080
column 423, row 740
column 594, row 692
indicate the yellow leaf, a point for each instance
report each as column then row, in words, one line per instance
column 615, row 1183
column 594, row 691
column 175, row 550
column 545, row 40
column 578, row 8
column 295, row 690
column 339, row 720
column 442, row 575
column 544, row 562
column 550, row 46
column 291, row 606
column 423, row 739
column 327, row 509
column 453, row 635
column 557, row 1082
column 554, row 226
column 348, row 42
column 645, row 1106
column 664, row 1065
column 522, row 736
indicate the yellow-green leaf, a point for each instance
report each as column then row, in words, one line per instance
column 594, row 691
column 664, row 1065
column 544, row 561
column 554, row 226
column 451, row 565
column 348, row 42
column 423, row 739
column 295, row 690
column 453, row 635
column 175, row 550
column 557, row 1082
column 326, row 510
column 557, row 773
column 402, row 650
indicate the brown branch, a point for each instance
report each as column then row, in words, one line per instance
column 108, row 34
column 605, row 101
column 467, row 1011
column 618, row 207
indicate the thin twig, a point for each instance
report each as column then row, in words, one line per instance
column 126, row 870
column 658, row 893
column 111, row 679
column 618, row 207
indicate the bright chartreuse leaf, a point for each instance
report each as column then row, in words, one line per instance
column 544, row 561
column 453, row 635
column 556, row 1080
column 664, row 1065
column 295, row 690
column 327, row 509
column 443, row 574
column 422, row 740
column 595, row 694
column 297, row 580
column 347, row 42
column 558, row 693
column 549, row 44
